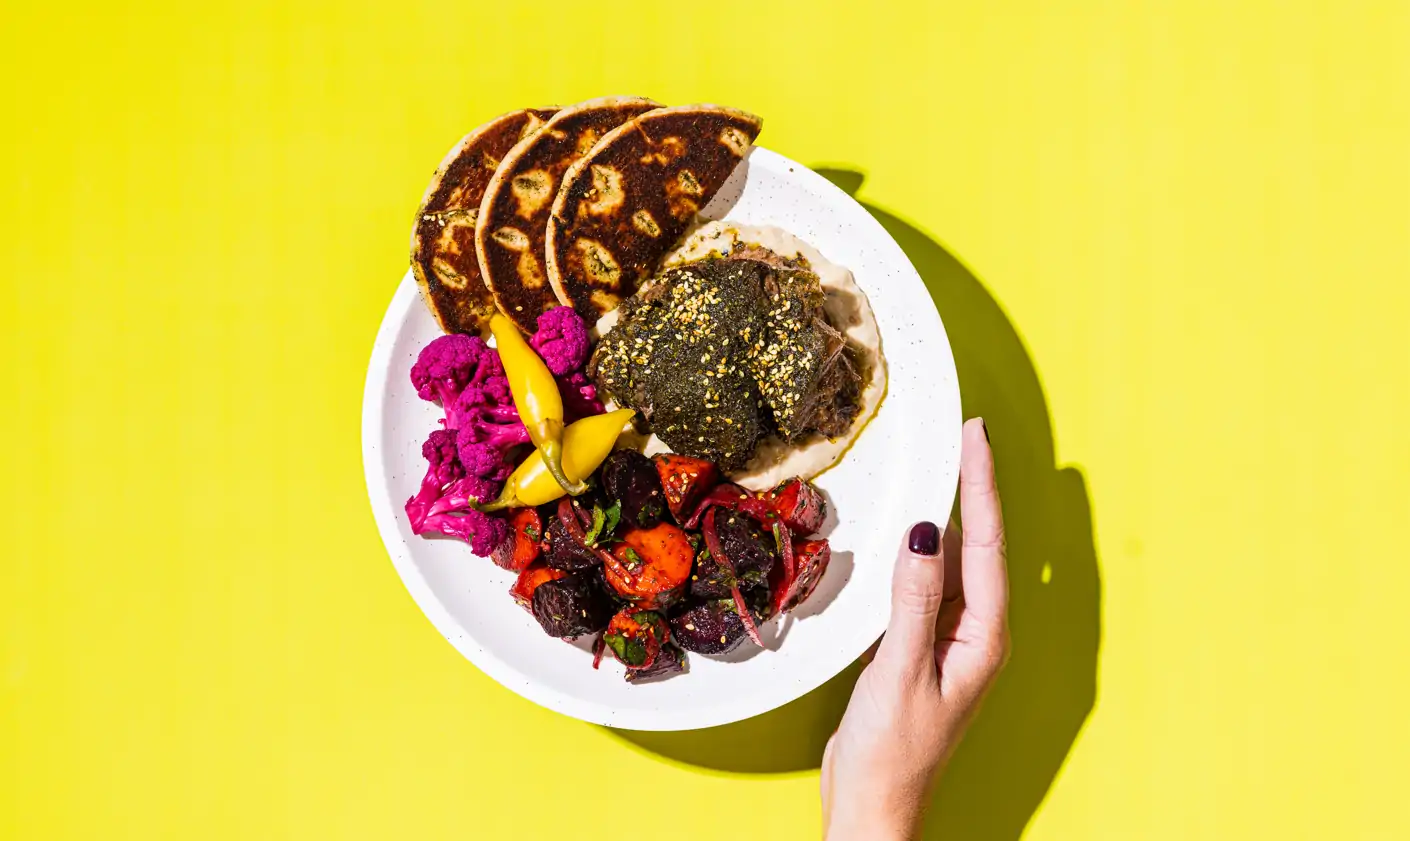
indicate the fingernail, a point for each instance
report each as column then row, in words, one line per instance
column 925, row 539
column 984, row 426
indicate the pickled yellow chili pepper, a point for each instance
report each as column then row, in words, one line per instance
column 586, row 444
column 536, row 397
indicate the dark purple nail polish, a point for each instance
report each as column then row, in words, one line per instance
column 925, row 539
column 984, row 426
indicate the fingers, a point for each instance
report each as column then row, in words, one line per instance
column 917, row 589
column 982, row 566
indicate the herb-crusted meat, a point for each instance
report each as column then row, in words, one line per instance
column 717, row 353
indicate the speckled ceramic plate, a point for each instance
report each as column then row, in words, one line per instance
column 903, row 468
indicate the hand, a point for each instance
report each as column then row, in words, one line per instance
column 945, row 644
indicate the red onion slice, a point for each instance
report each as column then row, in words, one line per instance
column 789, row 584
column 712, row 542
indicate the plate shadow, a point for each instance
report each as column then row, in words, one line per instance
column 1017, row 746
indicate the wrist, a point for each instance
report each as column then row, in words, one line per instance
column 873, row 820
column 867, row 828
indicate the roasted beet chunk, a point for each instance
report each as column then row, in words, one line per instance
column 563, row 551
column 525, row 543
column 670, row 661
column 630, row 478
column 811, row 558
column 791, row 588
column 749, row 548
column 801, row 506
column 710, row 580
column 529, row 580
column 708, row 627
column 571, row 606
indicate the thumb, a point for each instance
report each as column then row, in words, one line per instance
column 917, row 589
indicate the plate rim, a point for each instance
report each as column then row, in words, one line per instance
column 385, row 513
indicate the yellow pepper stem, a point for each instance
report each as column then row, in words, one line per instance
column 508, row 498
column 585, row 445
column 547, row 435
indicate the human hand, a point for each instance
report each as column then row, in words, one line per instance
column 946, row 642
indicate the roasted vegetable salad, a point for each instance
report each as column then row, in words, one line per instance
column 654, row 592
column 651, row 557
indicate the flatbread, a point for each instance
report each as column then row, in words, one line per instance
column 625, row 204
column 443, row 258
column 514, row 213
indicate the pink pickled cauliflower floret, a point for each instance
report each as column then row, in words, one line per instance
column 486, row 533
column 447, row 365
column 442, row 505
column 579, row 396
column 562, row 340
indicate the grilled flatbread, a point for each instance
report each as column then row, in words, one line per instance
column 509, row 233
column 625, row 204
column 443, row 238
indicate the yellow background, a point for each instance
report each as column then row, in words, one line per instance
column 1186, row 229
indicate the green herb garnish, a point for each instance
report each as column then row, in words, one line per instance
column 598, row 520
column 632, row 652
column 633, row 559
column 611, row 517
column 603, row 523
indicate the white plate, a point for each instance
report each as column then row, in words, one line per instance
column 902, row 469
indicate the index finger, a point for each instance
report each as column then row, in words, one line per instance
column 983, row 567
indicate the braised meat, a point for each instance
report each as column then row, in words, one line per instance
column 717, row 353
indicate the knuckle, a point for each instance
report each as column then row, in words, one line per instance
column 919, row 586
column 920, row 597
column 993, row 538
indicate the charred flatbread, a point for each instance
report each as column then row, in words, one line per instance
column 443, row 258
column 625, row 204
column 510, row 230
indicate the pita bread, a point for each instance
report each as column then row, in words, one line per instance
column 513, row 218
column 443, row 258
column 625, row 204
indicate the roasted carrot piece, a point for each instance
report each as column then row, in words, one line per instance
column 529, row 580
column 685, row 480
column 526, row 528
column 650, row 566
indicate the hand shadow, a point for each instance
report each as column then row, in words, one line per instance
column 1015, row 748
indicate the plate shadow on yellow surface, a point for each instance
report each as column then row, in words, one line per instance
column 1017, row 746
